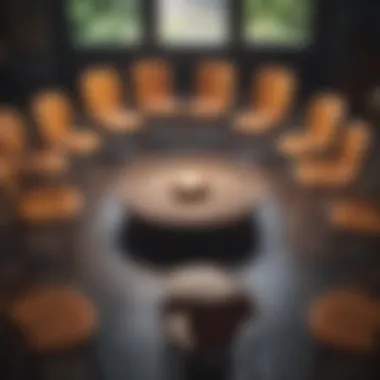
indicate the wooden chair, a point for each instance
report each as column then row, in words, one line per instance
column 154, row 87
column 324, row 116
column 346, row 320
column 215, row 88
column 344, row 170
column 355, row 215
column 102, row 94
column 14, row 146
column 46, row 205
column 9, row 188
column 54, row 115
column 273, row 99
column 54, row 318
column 12, row 135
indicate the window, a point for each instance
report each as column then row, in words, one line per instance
column 193, row 22
column 99, row 23
column 278, row 22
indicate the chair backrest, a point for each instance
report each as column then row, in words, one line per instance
column 9, row 185
column 13, row 139
column 101, row 90
column 356, row 143
column 356, row 211
column 216, row 80
column 325, row 114
column 275, row 91
column 153, row 80
column 53, row 113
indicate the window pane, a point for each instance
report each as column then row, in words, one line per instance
column 278, row 22
column 95, row 23
column 193, row 22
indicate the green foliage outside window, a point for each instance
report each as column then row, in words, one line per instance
column 104, row 22
column 280, row 22
column 118, row 22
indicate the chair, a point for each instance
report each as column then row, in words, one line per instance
column 102, row 95
column 325, row 115
column 345, row 169
column 273, row 100
column 346, row 320
column 14, row 147
column 46, row 205
column 154, row 87
column 215, row 88
column 54, row 115
column 13, row 140
column 54, row 318
column 355, row 215
column 8, row 179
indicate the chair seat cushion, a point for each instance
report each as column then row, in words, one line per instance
column 54, row 318
column 48, row 205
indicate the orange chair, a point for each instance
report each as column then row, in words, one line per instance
column 355, row 215
column 102, row 95
column 43, row 206
column 8, row 180
column 346, row 319
column 14, row 147
column 53, row 318
column 154, row 87
column 324, row 116
column 215, row 88
column 12, row 136
column 343, row 171
column 54, row 115
column 273, row 100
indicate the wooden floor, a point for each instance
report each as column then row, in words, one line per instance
column 299, row 257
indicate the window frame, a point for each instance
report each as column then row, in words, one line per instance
column 310, row 60
column 149, row 26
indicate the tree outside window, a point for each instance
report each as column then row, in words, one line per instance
column 278, row 22
column 104, row 22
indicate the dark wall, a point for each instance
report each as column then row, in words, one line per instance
column 362, row 66
column 28, row 34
